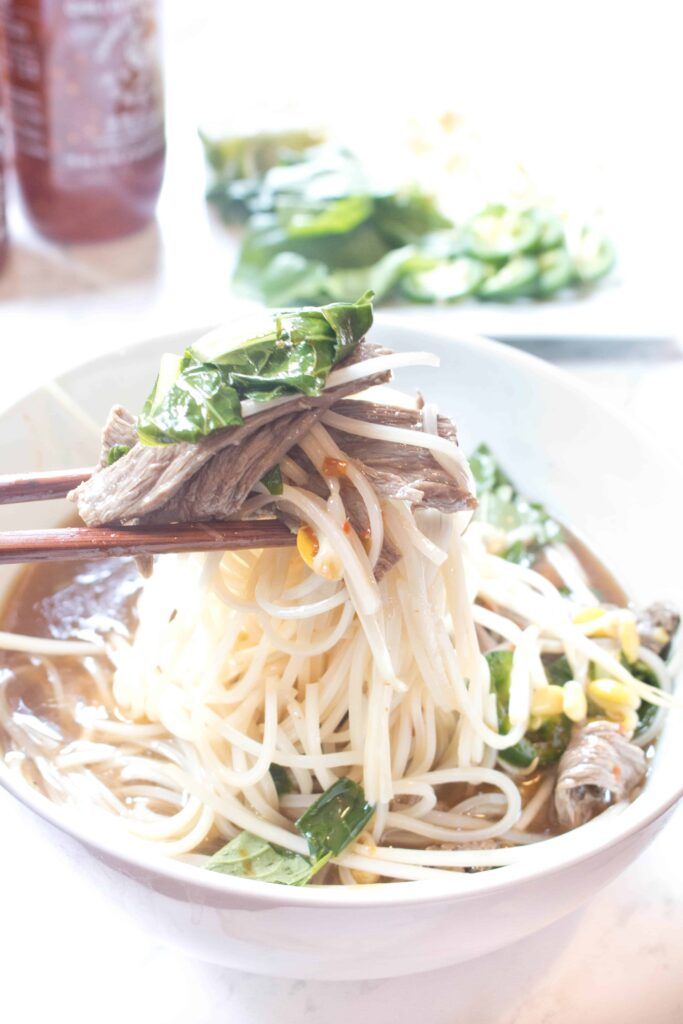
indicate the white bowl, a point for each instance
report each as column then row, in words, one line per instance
column 595, row 472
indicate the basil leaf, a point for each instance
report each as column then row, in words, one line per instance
column 272, row 480
column 318, row 202
column 406, row 217
column 116, row 452
column 281, row 779
column 252, row 155
column 324, row 218
column 646, row 712
column 290, row 278
column 522, row 754
column 335, row 819
column 500, row 669
column 502, row 506
column 559, row 671
column 249, row 856
column 380, row 278
column 486, row 470
column 293, row 351
column 550, row 739
column 546, row 743
column 188, row 402
column 266, row 239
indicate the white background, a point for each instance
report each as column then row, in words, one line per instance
column 587, row 96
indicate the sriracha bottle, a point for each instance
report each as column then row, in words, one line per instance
column 87, row 106
column 3, row 164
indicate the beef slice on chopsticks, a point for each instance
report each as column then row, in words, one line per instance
column 211, row 479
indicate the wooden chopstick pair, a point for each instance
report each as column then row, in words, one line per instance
column 104, row 541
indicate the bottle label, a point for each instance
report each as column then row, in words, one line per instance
column 86, row 85
column 3, row 222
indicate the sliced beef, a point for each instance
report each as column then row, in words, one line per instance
column 118, row 430
column 401, row 470
column 599, row 767
column 223, row 484
column 657, row 626
column 393, row 416
column 147, row 478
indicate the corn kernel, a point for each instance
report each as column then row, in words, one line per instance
column 307, row 545
column 609, row 693
column 574, row 703
column 364, row 877
column 547, row 701
column 628, row 636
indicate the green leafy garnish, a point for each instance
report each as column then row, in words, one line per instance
column 272, row 480
column 550, row 739
column 313, row 210
column 522, row 754
column 313, row 214
column 293, row 351
column 240, row 164
column 282, row 779
column 546, row 744
column 116, row 452
column 646, row 712
column 502, row 506
column 558, row 671
column 249, row 856
column 330, row 824
column 190, row 400
column 335, row 819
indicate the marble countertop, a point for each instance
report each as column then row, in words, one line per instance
column 617, row 961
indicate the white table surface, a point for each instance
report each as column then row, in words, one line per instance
column 618, row 960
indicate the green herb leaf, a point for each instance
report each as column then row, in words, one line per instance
column 523, row 753
column 239, row 165
column 252, row 155
column 282, row 779
column 406, row 217
column 500, row 669
column 249, row 856
column 380, row 278
column 324, row 218
column 545, row 744
column 189, row 400
column 502, row 506
column 272, row 480
column 290, row 352
column 550, row 739
column 646, row 712
column 116, row 452
column 486, row 471
column 558, row 671
column 335, row 819
column 290, row 278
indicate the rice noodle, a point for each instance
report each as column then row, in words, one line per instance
column 245, row 661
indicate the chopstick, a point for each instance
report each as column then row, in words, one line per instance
column 104, row 542
column 16, row 487
column 73, row 543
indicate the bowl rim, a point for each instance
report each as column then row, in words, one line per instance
column 553, row 855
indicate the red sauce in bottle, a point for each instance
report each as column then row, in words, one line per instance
column 3, row 156
column 87, row 106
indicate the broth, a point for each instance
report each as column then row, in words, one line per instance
column 88, row 599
